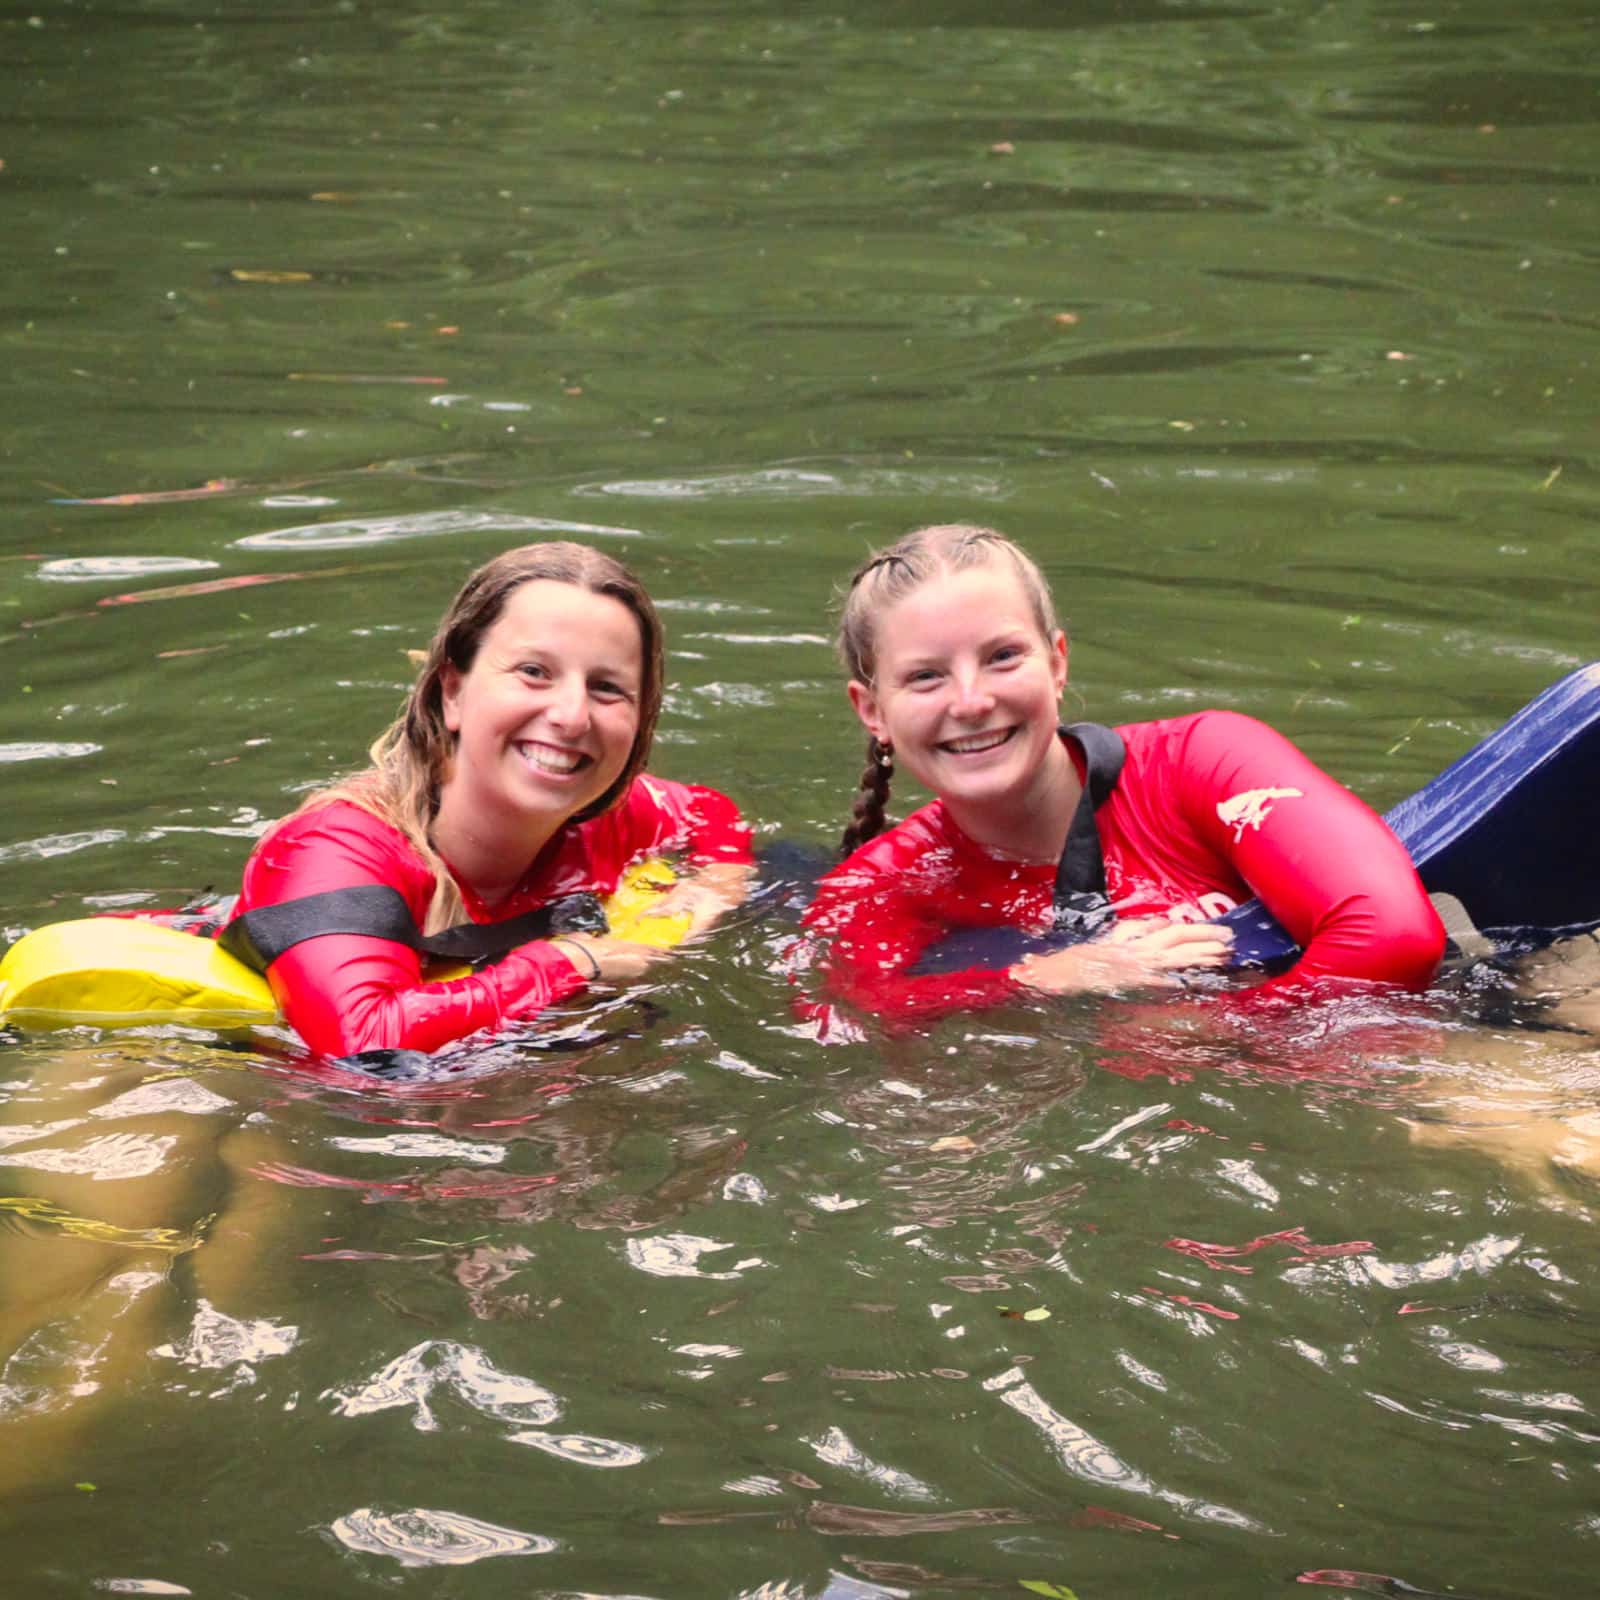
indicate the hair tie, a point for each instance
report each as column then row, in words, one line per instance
column 584, row 951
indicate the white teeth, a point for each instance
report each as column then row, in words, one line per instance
column 977, row 741
column 560, row 762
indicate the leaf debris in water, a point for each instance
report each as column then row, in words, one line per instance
column 1033, row 1314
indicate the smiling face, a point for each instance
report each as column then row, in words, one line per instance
column 965, row 689
column 546, row 716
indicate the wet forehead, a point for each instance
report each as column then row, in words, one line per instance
column 544, row 616
column 955, row 611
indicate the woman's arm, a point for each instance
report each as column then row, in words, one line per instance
column 1322, row 862
column 344, row 993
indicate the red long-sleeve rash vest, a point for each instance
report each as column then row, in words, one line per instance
column 345, row 993
column 1210, row 810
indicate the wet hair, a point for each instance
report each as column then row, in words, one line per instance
column 884, row 579
column 411, row 758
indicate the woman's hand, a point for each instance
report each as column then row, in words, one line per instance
column 1140, row 954
column 705, row 895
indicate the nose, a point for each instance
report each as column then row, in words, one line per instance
column 568, row 706
column 970, row 694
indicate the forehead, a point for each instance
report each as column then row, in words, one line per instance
column 953, row 608
column 545, row 612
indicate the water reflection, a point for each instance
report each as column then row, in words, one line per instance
column 358, row 532
column 426, row 1537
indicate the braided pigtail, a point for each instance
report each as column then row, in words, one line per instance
column 867, row 815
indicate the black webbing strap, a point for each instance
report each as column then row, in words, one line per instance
column 260, row 936
column 1081, row 905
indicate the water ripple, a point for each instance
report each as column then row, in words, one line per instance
column 139, row 1586
column 37, row 750
column 837, row 1449
column 784, row 482
column 101, row 569
column 217, row 1342
column 677, row 1255
column 582, row 1448
column 1480, row 1256
column 357, row 531
column 166, row 1095
column 424, row 1537
column 1085, row 1456
column 60, row 844
column 111, row 1156
column 425, row 1145
column 410, row 1380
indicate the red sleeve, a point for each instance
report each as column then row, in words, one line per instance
column 872, row 917
column 344, row 993
column 1322, row 862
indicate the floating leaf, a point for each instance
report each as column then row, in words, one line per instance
column 269, row 275
column 953, row 1141
column 154, row 497
column 1056, row 1591
column 362, row 377
column 1037, row 1314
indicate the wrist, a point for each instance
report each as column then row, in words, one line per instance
column 582, row 957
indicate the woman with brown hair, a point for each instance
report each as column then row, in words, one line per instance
column 512, row 782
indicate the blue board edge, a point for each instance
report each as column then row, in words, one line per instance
column 1501, row 800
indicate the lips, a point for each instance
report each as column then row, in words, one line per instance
column 552, row 760
column 972, row 744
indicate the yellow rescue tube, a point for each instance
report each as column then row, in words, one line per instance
column 122, row 972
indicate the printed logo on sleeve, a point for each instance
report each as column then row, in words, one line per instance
column 1252, row 808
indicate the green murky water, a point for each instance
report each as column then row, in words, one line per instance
column 1270, row 329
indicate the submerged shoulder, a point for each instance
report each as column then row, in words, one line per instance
column 897, row 850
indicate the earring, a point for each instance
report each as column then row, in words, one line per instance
column 885, row 755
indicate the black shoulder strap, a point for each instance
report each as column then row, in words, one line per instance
column 1080, row 895
column 379, row 911
column 482, row 942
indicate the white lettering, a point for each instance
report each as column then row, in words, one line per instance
column 1252, row 808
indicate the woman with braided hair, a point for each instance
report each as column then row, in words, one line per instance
column 1133, row 838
